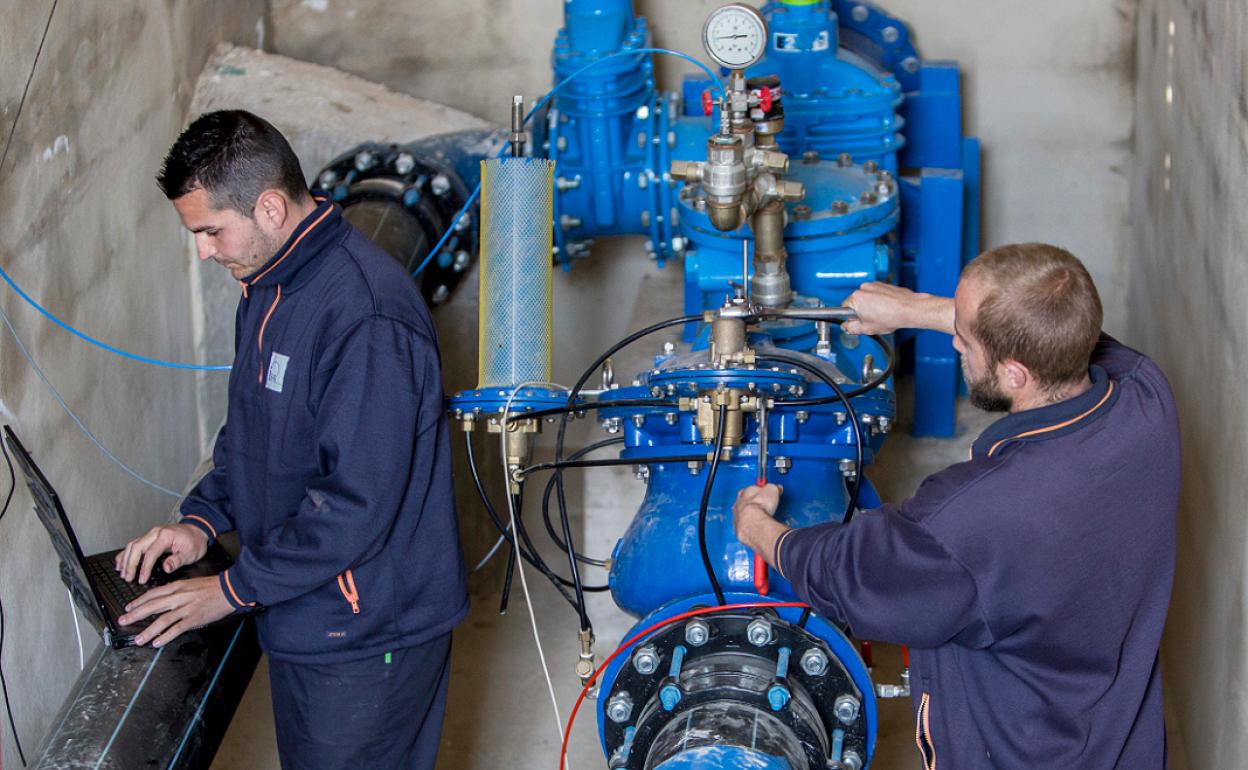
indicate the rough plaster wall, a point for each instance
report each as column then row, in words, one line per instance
column 1189, row 228
column 84, row 229
column 324, row 113
column 1048, row 88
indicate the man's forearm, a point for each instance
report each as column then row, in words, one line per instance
column 928, row 311
column 761, row 533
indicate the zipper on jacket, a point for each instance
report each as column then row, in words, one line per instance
column 923, row 732
column 260, row 337
column 349, row 592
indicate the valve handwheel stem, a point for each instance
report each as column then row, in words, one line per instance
column 761, row 583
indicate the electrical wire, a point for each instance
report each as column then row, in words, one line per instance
column 550, row 486
column 78, row 421
column 607, row 462
column 504, row 529
column 4, row 684
column 555, row 411
column 851, row 503
column 490, row 553
column 720, row 425
column 73, row 612
column 101, row 344
column 524, row 583
column 889, row 353
column 21, row 103
column 572, row 396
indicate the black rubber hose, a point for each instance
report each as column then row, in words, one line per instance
column 550, row 487
column 511, row 568
column 556, row 411
column 850, row 413
column 563, row 426
column 721, row 423
column 565, row 522
column 867, row 388
column 572, row 407
column 532, row 558
column 607, row 462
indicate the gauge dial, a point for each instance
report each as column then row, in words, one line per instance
column 735, row 36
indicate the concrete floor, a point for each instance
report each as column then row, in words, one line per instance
column 499, row 713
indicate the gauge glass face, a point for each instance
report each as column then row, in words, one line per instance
column 735, row 36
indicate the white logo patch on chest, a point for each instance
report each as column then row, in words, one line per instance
column 277, row 372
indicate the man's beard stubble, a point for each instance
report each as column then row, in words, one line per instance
column 985, row 393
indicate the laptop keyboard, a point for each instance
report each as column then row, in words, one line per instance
column 110, row 579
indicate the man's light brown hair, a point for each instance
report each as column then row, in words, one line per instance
column 1039, row 308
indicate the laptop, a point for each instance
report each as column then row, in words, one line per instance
column 93, row 581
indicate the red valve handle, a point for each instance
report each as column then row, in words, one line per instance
column 708, row 104
column 764, row 99
column 760, row 575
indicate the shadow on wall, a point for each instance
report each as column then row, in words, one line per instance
column 1189, row 276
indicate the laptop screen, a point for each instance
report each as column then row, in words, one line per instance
column 52, row 514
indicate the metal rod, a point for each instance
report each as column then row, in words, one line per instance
column 516, row 138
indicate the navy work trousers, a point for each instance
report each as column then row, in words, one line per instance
column 382, row 712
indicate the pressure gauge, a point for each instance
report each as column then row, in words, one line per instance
column 735, row 36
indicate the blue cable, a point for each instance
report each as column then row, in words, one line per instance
column 77, row 421
column 437, row 247
column 118, row 351
column 540, row 103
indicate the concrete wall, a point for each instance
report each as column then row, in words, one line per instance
column 1048, row 87
column 1189, row 275
column 84, row 228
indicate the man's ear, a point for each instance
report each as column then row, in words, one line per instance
column 1013, row 376
column 271, row 210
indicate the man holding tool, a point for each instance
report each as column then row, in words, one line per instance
column 1031, row 582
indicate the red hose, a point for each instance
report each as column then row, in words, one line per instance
column 567, row 731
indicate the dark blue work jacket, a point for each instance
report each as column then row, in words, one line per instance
column 1031, row 582
column 334, row 463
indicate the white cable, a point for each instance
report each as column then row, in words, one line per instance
column 524, row 583
column 73, row 611
column 57, row 395
column 497, row 544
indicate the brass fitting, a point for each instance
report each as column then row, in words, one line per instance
column 736, row 402
column 585, row 664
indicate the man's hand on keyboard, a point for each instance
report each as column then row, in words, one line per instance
column 180, row 606
column 185, row 544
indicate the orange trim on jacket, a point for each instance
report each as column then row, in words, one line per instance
column 349, row 591
column 234, row 593
column 1108, row 392
column 286, row 254
column 205, row 522
column 263, row 324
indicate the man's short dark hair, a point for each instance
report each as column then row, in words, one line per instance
column 233, row 156
column 1039, row 308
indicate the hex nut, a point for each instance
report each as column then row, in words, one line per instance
column 646, row 660
column 814, row 662
column 697, row 632
column 846, row 708
column 620, row 707
column 758, row 632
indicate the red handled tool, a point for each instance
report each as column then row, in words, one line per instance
column 761, row 584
